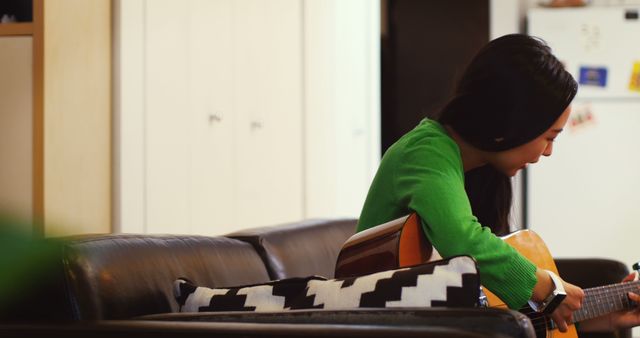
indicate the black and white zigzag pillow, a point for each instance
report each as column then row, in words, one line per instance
column 452, row 282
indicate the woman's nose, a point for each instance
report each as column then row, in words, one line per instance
column 548, row 150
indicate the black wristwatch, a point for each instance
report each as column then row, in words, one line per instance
column 549, row 304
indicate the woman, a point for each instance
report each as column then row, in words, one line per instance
column 510, row 105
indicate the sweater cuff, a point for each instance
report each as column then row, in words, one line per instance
column 522, row 280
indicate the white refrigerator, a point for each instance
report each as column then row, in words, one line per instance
column 584, row 200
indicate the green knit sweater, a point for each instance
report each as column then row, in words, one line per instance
column 423, row 172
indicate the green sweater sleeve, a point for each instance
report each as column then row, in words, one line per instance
column 433, row 186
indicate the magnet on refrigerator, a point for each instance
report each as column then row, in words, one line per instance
column 593, row 76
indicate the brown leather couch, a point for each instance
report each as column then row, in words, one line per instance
column 121, row 285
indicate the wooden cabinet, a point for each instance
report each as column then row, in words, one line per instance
column 59, row 113
column 16, row 106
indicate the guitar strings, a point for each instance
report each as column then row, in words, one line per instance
column 537, row 319
column 605, row 299
column 593, row 303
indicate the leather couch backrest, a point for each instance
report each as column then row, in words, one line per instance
column 300, row 249
column 121, row 276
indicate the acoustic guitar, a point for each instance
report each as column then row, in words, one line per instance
column 402, row 243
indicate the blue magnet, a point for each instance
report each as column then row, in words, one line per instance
column 593, row 76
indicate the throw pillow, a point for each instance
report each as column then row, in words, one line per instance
column 451, row 282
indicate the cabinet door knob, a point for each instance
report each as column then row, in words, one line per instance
column 256, row 125
column 214, row 118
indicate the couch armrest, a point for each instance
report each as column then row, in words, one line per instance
column 489, row 322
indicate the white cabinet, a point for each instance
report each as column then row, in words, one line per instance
column 223, row 114
column 240, row 113
column 213, row 162
column 168, row 135
column 268, row 107
column 342, row 104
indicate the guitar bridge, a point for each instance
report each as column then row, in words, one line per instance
column 483, row 301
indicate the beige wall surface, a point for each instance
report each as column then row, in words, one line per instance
column 15, row 125
column 77, row 116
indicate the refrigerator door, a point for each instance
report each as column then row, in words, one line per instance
column 584, row 200
column 601, row 42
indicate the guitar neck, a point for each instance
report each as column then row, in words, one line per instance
column 603, row 300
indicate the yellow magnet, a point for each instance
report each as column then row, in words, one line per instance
column 634, row 82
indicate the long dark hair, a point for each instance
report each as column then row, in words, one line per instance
column 512, row 91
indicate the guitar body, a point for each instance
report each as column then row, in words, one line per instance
column 402, row 243
column 388, row 246
column 530, row 245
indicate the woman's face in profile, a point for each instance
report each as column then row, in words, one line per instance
column 511, row 161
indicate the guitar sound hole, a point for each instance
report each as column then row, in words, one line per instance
column 541, row 323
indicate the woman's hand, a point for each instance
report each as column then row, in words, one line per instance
column 629, row 318
column 563, row 314
column 617, row 320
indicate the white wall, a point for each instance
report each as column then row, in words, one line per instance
column 128, row 116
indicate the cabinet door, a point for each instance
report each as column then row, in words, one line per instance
column 16, row 126
column 268, row 103
column 212, row 167
column 224, row 114
column 168, row 128
column 341, row 104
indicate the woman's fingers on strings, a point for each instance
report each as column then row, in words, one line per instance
column 561, row 323
column 630, row 277
column 635, row 297
column 561, row 317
